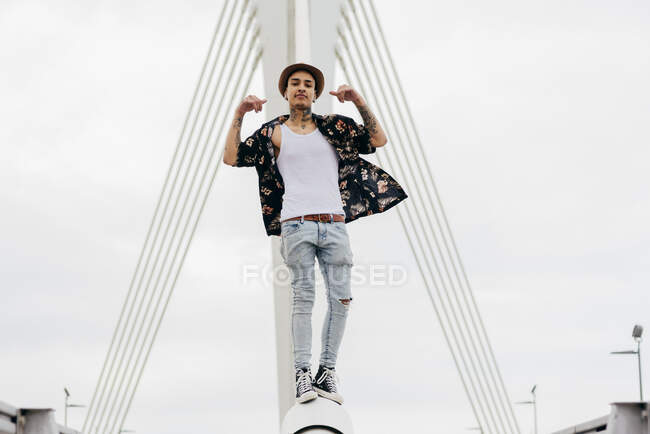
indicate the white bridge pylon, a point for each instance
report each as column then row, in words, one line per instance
column 349, row 31
column 297, row 31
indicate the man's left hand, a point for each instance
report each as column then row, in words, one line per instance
column 347, row 93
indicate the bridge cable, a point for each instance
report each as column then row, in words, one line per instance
column 407, row 208
column 180, row 215
column 171, row 218
column 376, row 25
column 189, row 216
column 366, row 72
column 209, row 186
column 179, row 169
column 420, row 196
column 147, row 261
column 394, row 103
column 424, row 275
column 144, row 247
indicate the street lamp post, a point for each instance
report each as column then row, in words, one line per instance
column 534, row 403
column 637, row 332
column 65, row 412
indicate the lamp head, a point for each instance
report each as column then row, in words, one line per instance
column 637, row 331
column 67, row 393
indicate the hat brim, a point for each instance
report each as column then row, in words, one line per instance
column 315, row 72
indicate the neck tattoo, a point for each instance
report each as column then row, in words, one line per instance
column 301, row 117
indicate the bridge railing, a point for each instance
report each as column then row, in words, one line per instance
column 28, row 421
column 592, row 426
column 624, row 418
column 7, row 418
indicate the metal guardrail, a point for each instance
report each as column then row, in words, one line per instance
column 7, row 418
column 589, row 427
column 624, row 418
column 13, row 420
column 67, row 430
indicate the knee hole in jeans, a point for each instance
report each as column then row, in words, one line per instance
column 345, row 301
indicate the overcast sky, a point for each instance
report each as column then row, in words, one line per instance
column 535, row 120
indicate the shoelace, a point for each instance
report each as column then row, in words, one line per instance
column 330, row 377
column 304, row 382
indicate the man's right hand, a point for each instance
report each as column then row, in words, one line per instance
column 251, row 102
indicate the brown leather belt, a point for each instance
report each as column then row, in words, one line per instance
column 323, row 218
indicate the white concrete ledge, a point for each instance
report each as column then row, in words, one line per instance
column 317, row 416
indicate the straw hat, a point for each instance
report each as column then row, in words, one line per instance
column 315, row 72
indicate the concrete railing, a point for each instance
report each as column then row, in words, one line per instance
column 593, row 426
column 7, row 418
column 318, row 416
column 624, row 418
column 30, row 421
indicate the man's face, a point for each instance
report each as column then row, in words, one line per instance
column 301, row 89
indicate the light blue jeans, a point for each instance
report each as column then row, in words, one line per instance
column 302, row 240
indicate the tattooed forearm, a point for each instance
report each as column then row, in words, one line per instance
column 369, row 120
column 377, row 135
column 236, row 125
column 232, row 141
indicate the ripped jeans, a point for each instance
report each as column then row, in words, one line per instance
column 329, row 242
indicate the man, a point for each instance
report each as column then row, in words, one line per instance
column 312, row 182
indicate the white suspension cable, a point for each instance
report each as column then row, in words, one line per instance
column 417, row 231
column 418, row 197
column 184, row 254
column 372, row 27
column 466, row 356
column 463, row 357
column 493, row 367
column 148, row 284
column 102, row 413
column 419, row 263
column 236, row 31
column 146, row 242
column 448, row 286
column 253, row 37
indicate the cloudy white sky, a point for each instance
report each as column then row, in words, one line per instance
column 534, row 117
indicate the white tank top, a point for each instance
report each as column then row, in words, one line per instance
column 310, row 169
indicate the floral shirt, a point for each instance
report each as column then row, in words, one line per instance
column 365, row 188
